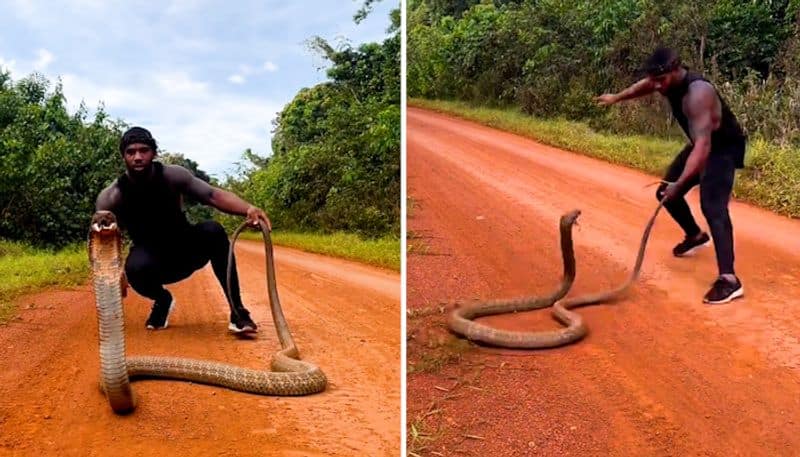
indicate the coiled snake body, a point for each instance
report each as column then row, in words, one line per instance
column 289, row 375
column 461, row 320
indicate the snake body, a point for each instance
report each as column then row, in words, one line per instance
column 289, row 375
column 461, row 320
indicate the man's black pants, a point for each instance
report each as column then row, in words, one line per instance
column 716, row 184
column 148, row 268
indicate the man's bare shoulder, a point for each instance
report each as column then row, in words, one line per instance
column 176, row 172
column 701, row 95
column 183, row 180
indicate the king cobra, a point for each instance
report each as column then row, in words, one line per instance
column 289, row 375
column 461, row 320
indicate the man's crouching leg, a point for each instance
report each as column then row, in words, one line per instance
column 214, row 238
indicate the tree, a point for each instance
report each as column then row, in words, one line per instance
column 53, row 165
column 336, row 146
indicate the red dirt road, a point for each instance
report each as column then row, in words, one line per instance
column 344, row 316
column 660, row 373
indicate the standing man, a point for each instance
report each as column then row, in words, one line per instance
column 716, row 149
column 166, row 248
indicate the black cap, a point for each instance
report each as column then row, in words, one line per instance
column 662, row 60
column 137, row 135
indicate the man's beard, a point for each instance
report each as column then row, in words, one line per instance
column 140, row 174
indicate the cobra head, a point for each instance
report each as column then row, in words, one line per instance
column 104, row 222
column 570, row 218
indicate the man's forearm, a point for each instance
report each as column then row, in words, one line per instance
column 642, row 87
column 228, row 202
column 695, row 162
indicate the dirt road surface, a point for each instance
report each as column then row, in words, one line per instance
column 344, row 316
column 660, row 373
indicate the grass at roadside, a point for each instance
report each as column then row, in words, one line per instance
column 770, row 180
column 381, row 252
column 24, row 269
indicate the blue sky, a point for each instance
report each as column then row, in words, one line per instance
column 205, row 77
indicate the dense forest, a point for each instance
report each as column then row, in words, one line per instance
column 550, row 58
column 335, row 163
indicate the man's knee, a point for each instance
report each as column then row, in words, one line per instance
column 715, row 210
column 213, row 229
column 138, row 265
column 214, row 237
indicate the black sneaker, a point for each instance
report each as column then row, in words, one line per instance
column 243, row 323
column 724, row 291
column 159, row 315
column 688, row 246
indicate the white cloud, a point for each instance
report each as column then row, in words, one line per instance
column 216, row 134
column 246, row 70
column 211, row 127
column 182, row 43
column 179, row 83
column 44, row 15
column 25, row 67
column 24, row 10
column 44, row 59
column 76, row 90
column 8, row 65
column 176, row 7
column 86, row 3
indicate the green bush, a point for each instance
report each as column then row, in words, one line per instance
column 550, row 58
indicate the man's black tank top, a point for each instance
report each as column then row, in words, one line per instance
column 151, row 212
column 729, row 138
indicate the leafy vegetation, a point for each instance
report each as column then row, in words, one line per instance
column 551, row 58
column 52, row 164
column 336, row 147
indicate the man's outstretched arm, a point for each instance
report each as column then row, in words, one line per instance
column 207, row 194
column 229, row 202
column 640, row 88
